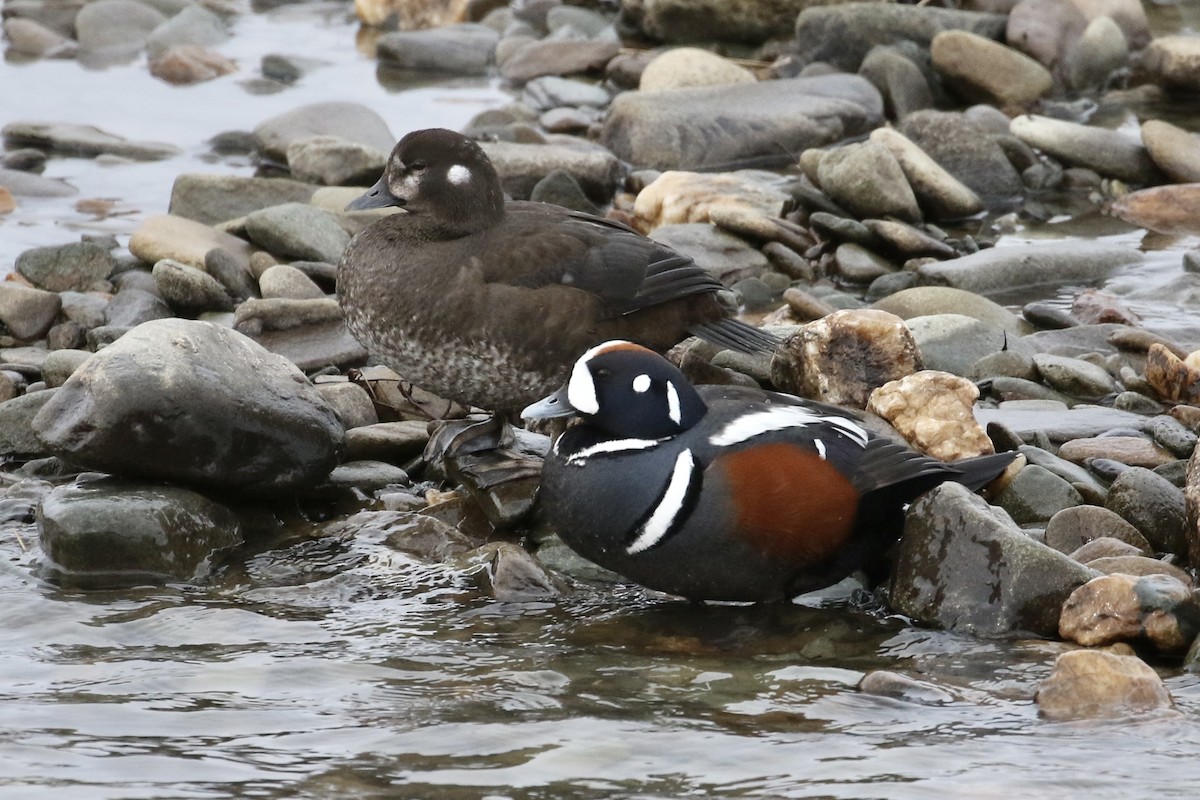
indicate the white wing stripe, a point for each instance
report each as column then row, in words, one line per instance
column 776, row 419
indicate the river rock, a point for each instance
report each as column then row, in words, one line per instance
column 1091, row 684
column 1001, row 269
column 210, row 199
column 188, row 289
column 61, row 365
column 511, row 574
column 298, row 230
column 169, row 236
column 726, row 257
column 333, row 161
column 16, row 429
column 922, row 301
column 26, row 184
column 1075, row 377
column 964, row 566
column 845, row 356
column 550, row 57
column 843, row 34
column 1106, row 549
column 287, row 282
column 133, row 306
column 1036, row 494
column 706, row 20
column 194, row 25
column 856, row 264
column 1174, row 61
column 84, row 141
column 933, row 412
column 26, row 312
column 967, row 151
column 31, row 38
column 78, row 266
column 678, row 197
column 866, row 179
column 1173, row 209
column 954, row 343
column 351, row 403
column 118, row 28
column 1072, row 528
column 521, row 166
column 1100, row 51
column 346, row 120
column 940, row 194
column 1174, row 150
column 1153, row 505
column 116, row 533
column 1137, row 565
column 1157, row 610
column 397, row 442
column 983, row 70
column 552, row 91
column 195, row 403
column 463, row 49
column 681, row 67
column 1107, row 152
column 900, row 81
column 1136, row 451
column 724, row 127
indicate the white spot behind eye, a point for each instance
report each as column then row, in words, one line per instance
column 641, row 383
column 673, row 404
column 458, row 175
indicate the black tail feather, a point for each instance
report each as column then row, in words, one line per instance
column 736, row 335
column 980, row 471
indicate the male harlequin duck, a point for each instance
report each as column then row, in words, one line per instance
column 489, row 302
column 724, row 493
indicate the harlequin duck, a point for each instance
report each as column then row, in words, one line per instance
column 724, row 493
column 489, row 302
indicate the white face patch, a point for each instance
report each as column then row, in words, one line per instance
column 581, row 389
column 673, row 410
column 662, row 519
column 641, row 384
column 776, row 419
column 459, row 175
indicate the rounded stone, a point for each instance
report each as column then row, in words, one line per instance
column 691, row 66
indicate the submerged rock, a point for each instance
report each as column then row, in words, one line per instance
column 111, row 533
column 1090, row 684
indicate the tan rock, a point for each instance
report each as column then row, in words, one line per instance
column 185, row 64
column 933, row 411
column 1191, row 501
column 1171, row 377
column 988, row 71
column 1156, row 609
column 1171, row 209
column 680, row 197
column 866, row 179
column 1175, row 61
column 691, row 66
column 845, row 356
column 8, row 203
column 168, row 236
column 1132, row 450
column 1090, row 683
column 1138, row 565
column 412, row 15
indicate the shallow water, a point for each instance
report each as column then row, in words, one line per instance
column 317, row 668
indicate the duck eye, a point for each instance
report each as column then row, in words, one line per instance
column 416, row 166
column 603, row 372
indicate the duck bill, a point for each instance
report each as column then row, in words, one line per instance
column 555, row 405
column 378, row 196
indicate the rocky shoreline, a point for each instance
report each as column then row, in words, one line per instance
column 164, row 401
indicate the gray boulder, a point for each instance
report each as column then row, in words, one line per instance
column 194, row 403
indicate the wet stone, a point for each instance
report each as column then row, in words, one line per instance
column 955, row 343
column 1092, row 684
column 296, row 230
column 84, row 141
column 552, row 92
column 1175, row 150
column 367, row 476
column 1036, row 494
column 1173, row 378
column 899, row 80
column 1001, row 269
column 350, row 402
column 116, row 25
column 1107, row 152
column 964, row 566
column 286, row 282
column 981, row 69
column 111, row 533
column 1101, row 549
column 1158, row 610
column 859, row 265
column 61, row 365
column 538, row 58
column 964, row 149
column 867, row 179
column 1136, row 451
column 216, row 198
column 1152, row 505
column 395, row 442
column 1074, row 376
column 333, row 161
column 171, row 236
column 346, row 120
column 1073, row 528
column 130, row 307
column 885, row 683
column 1138, row 565
column 1173, row 435
column 511, row 574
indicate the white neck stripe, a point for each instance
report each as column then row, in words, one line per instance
column 665, row 513
column 579, row 457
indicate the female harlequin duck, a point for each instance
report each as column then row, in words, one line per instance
column 724, row 493
column 489, row 302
